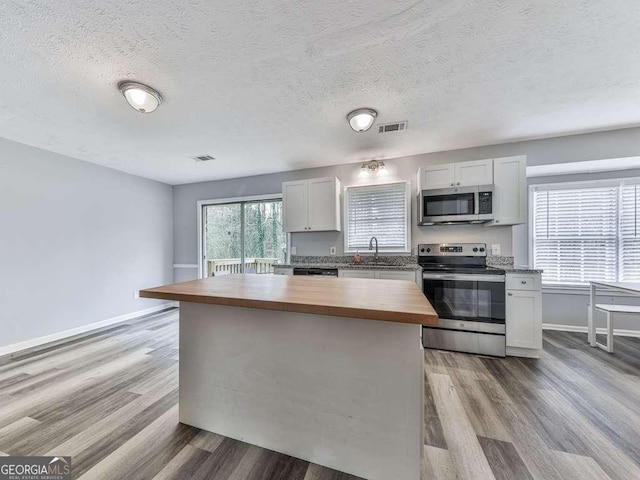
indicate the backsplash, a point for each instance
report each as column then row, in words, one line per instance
column 348, row 259
column 499, row 261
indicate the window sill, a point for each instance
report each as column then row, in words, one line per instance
column 566, row 289
column 580, row 290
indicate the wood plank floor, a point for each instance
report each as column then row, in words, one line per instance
column 572, row 414
column 110, row 401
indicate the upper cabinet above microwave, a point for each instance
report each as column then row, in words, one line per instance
column 461, row 174
column 311, row 205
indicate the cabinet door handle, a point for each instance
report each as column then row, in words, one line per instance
column 510, row 294
column 458, row 183
column 524, row 282
column 452, row 184
column 497, row 221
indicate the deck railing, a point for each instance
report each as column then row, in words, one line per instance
column 233, row 265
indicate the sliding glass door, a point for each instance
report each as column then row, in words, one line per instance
column 242, row 237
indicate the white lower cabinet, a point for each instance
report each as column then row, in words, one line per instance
column 379, row 274
column 523, row 316
column 357, row 273
column 282, row 271
column 396, row 275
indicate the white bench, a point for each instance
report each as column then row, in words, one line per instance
column 609, row 310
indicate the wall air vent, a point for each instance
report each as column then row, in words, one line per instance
column 392, row 127
column 203, row 158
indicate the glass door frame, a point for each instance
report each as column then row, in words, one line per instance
column 201, row 204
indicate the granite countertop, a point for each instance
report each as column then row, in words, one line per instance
column 522, row 269
column 410, row 267
column 505, row 263
column 392, row 262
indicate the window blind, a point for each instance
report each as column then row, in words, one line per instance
column 587, row 232
column 379, row 211
column 629, row 255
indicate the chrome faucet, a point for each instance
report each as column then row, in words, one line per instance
column 371, row 247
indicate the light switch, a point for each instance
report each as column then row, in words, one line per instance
column 332, row 250
column 495, row 249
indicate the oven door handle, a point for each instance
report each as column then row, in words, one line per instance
column 465, row 278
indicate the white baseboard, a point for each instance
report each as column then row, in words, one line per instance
column 574, row 328
column 79, row 331
column 185, row 265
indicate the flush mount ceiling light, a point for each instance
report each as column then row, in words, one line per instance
column 141, row 97
column 361, row 119
column 373, row 166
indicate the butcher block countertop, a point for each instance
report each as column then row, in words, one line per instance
column 388, row 300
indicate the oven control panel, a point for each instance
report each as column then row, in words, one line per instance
column 452, row 250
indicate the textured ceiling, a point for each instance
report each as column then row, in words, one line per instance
column 264, row 86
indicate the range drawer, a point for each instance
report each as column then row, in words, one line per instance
column 523, row 281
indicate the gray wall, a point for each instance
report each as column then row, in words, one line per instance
column 613, row 144
column 317, row 243
column 557, row 308
column 76, row 241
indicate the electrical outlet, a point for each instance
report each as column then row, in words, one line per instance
column 495, row 249
column 293, row 250
column 136, row 294
column 332, row 250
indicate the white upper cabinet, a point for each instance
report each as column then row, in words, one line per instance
column 311, row 205
column 509, row 191
column 461, row 174
column 294, row 205
column 437, row 176
column 324, row 204
column 477, row 172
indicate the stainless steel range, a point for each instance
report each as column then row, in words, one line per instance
column 468, row 296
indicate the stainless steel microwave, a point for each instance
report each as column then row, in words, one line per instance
column 456, row 205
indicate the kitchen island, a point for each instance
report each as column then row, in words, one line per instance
column 329, row 370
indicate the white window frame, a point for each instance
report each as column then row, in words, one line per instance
column 218, row 201
column 407, row 247
column 563, row 185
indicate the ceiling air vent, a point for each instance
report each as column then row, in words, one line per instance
column 392, row 127
column 203, row 158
